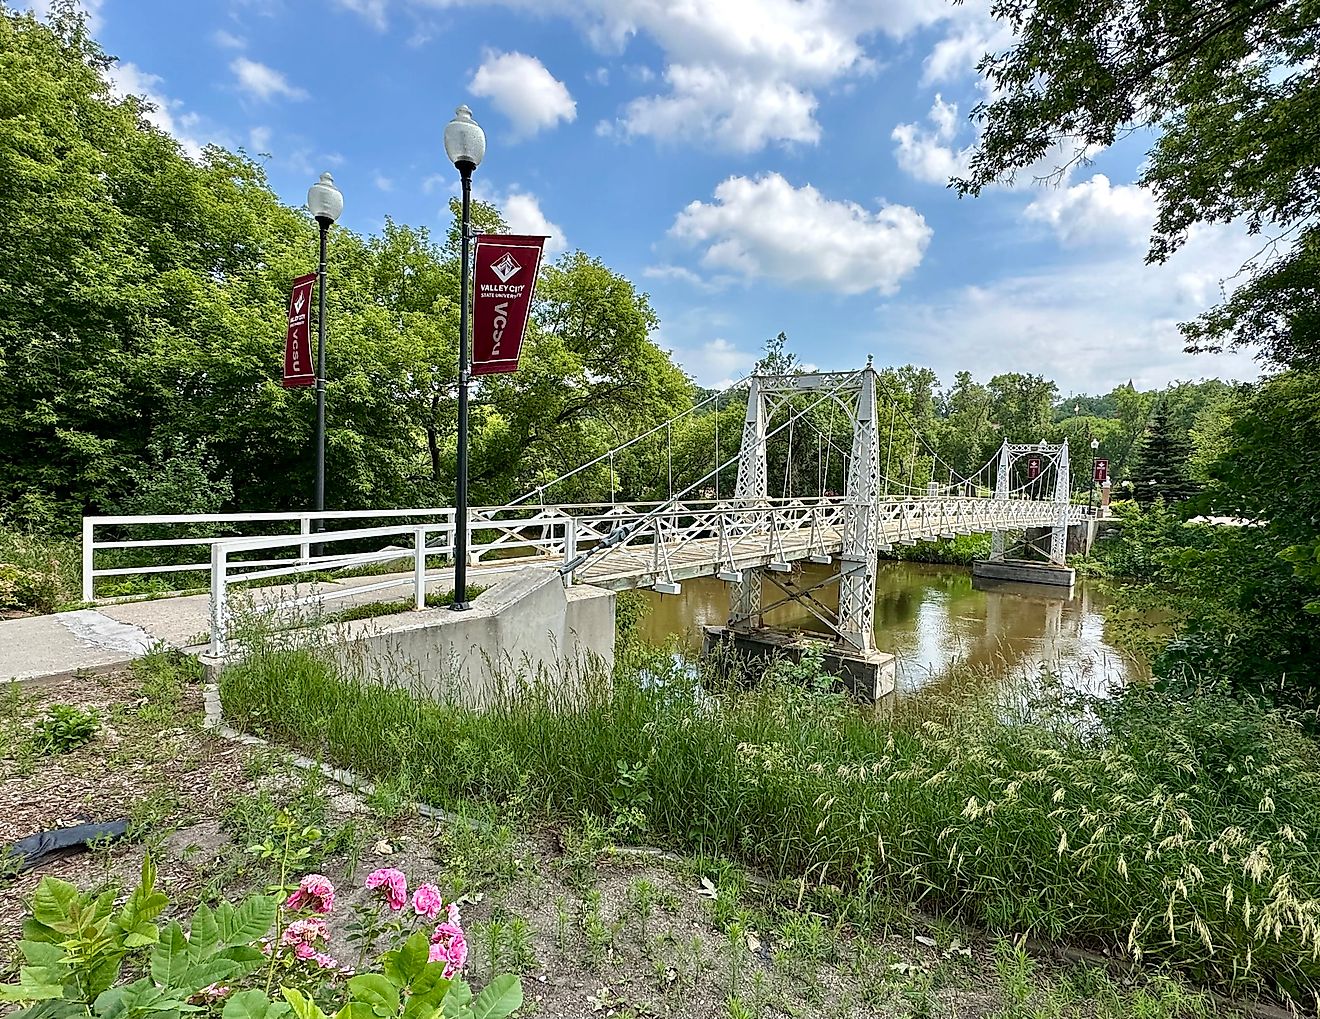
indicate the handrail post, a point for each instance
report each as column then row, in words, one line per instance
column 88, row 579
column 419, row 567
column 305, row 529
column 219, row 555
column 570, row 546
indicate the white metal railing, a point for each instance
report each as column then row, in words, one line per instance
column 508, row 530
column 750, row 530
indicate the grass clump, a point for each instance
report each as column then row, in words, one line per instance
column 62, row 729
column 371, row 610
column 1182, row 831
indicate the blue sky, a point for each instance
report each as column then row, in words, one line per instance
column 755, row 165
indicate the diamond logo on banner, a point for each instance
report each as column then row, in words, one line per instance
column 504, row 267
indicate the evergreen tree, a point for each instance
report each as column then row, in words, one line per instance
column 1161, row 467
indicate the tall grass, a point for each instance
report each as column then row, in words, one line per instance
column 1181, row 831
column 38, row 573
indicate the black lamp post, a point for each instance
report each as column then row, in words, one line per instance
column 1090, row 496
column 326, row 204
column 465, row 144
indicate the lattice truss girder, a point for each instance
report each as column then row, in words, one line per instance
column 855, row 392
column 1052, row 456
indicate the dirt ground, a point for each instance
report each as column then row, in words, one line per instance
column 593, row 930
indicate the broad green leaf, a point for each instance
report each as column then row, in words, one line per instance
column 170, row 960
column 303, row 1006
column 419, row 1008
column 457, row 1000
column 203, row 932
column 407, row 963
column 53, row 903
column 41, row 953
column 249, row 922
column 431, row 984
column 245, row 956
column 377, row 991
column 30, row 988
column 356, row 1010
column 253, row 1004
column 498, row 998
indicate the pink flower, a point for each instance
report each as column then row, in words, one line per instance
column 448, row 945
column 315, row 893
column 427, row 901
column 393, row 882
column 326, row 961
column 302, row 935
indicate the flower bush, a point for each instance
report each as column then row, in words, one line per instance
column 79, row 954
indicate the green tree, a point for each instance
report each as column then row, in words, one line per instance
column 1160, row 471
column 1022, row 406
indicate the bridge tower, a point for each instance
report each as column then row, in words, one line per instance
column 1047, row 457
column 852, row 623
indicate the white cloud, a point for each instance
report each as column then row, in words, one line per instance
column 259, row 139
column 382, row 182
column 91, row 8
column 523, row 90
column 766, row 228
column 682, row 274
column 972, row 32
column 228, row 40
column 372, row 10
column 928, row 154
column 747, row 69
column 1087, row 323
column 262, row 82
column 734, row 112
column 523, row 214
column 1095, row 210
column 716, row 364
column 127, row 79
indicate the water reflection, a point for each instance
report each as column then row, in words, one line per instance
column 934, row 619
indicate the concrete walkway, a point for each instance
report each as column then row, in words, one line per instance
column 39, row 648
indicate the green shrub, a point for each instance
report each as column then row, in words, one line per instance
column 62, row 729
column 38, row 573
column 1173, row 829
column 961, row 550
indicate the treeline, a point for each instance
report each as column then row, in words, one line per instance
column 142, row 301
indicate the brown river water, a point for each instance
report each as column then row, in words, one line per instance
column 935, row 621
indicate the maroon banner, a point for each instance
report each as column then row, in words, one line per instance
column 298, row 367
column 1100, row 473
column 504, row 278
column 1033, row 467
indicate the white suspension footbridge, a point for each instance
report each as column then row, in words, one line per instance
column 746, row 538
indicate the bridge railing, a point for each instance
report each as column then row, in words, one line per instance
column 179, row 545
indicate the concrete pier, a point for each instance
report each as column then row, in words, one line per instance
column 1024, row 572
column 866, row 675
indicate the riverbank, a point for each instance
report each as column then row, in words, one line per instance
column 1164, row 830
column 593, row 928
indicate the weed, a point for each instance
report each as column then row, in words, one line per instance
column 641, row 898
column 562, row 921
column 162, row 675
column 479, row 854
column 598, row 934
column 62, row 729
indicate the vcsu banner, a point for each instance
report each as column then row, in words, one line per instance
column 504, row 278
column 298, row 368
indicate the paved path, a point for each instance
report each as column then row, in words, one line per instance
column 38, row 648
